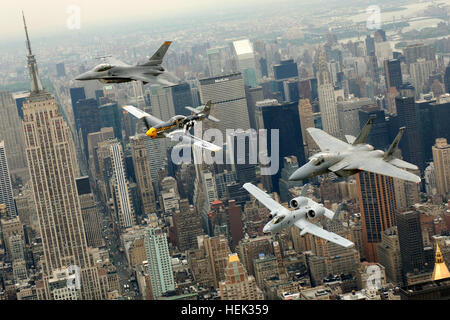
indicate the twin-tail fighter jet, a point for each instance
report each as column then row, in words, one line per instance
column 304, row 211
column 346, row 159
column 116, row 71
column 177, row 127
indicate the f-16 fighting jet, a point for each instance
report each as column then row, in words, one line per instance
column 304, row 211
column 116, row 71
column 177, row 127
column 346, row 159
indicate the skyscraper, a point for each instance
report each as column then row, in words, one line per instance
column 87, row 120
column 238, row 285
column 441, row 159
column 143, row 175
column 411, row 143
column 121, row 188
column 376, row 199
column 110, row 117
column 159, row 261
column 6, row 192
column 411, row 242
column 91, row 216
column 327, row 100
column 393, row 73
column 188, row 226
column 286, row 69
column 272, row 115
column 227, row 93
column 245, row 60
column 52, row 167
column 11, row 133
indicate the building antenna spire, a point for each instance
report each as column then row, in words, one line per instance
column 36, row 85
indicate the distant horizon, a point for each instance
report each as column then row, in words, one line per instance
column 40, row 27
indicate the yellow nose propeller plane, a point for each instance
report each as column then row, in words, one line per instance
column 177, row 127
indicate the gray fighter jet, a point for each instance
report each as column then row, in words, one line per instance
column 304, row 211
column 116, row 71
column 346, row 159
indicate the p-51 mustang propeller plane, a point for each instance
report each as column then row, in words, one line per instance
column 177, row 127
column 305, row 210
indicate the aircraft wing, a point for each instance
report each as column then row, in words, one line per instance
column 382, row 167
column 151, row 79
column 315, row 230
column 326, row 141
column 138, row 113
column 186, row 138
column 262, row 197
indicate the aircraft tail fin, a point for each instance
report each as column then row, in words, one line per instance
column 394, row 146
column 362, row 137
column 207, row 109
column 158, row 56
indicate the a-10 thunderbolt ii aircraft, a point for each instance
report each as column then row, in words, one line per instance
column 116, row 71
column 304, row 211
column 346, row 159
column 177, row 127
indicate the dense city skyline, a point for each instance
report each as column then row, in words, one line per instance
column 94, row 204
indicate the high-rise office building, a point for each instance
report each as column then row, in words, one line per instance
column 246, row 62
column 305, row 113
column 217, row 251
column 286, row 69
column 11, row 133
column 411, row 242
column 414, row 52
column 76, row 94
column 447, row 79
column 238, row 285
column 181, row 97
column 227, row 93
column 440, row 270
column 393, row 73
column 376, row 199
column 110, row 117
column 143, row 173
column 327, row 100
column 6, row 191
column 420, row 72
column 60, row 70
column 121, row 188
column 188, row 226
column 389, row 255
column 441, row 160
column 214, row 61
column 284, row 118
column 52, row 167
column 87, row 120
column 91, row 216
column 253, row 95
column 411, row 143
column 159, row 261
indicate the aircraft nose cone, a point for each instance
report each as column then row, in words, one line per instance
column 297, row 175
column 84, row 76
column 266, row 228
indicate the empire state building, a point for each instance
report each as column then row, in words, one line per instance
column 52, row 167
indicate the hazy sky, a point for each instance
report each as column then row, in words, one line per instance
column 44, row 16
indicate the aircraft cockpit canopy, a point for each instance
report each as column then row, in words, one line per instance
column 278, row 219
column 317, row 161
column 102, row 67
